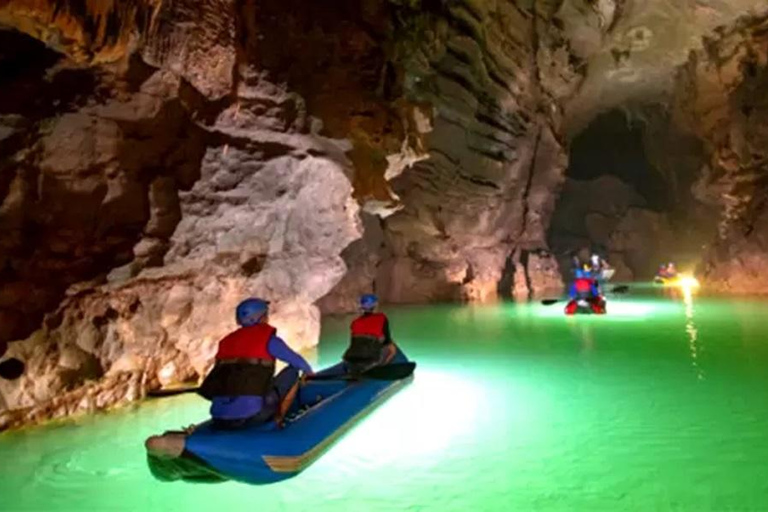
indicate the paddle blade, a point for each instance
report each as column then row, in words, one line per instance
column 11, row 369
column 159, row 393
column 395, row 371
column 620, row 289
column 549, row 302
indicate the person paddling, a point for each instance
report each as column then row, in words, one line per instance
column 585, row 291
column 242, row 387
column 370, row 341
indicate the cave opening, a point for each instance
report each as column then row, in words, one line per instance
column 613, row 145
column 29, row 84
column 627, row 194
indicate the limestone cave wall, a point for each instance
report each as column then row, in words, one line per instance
column 160, row 160
column 629, row 195
column 721, row 97
column 153, row 178
column 469, row 220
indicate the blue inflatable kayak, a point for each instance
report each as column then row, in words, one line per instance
column 321, row 413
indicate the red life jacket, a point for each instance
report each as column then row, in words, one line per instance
column 583, row 285
column 244, row 366
column 369, row 325
column 247, row 343
column 368, row 337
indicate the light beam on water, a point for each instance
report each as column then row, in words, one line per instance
column 512, row 407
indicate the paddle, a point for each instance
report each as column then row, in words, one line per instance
column 395, row 371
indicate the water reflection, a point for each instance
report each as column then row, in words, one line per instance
column 692, row 332
column 583, row 331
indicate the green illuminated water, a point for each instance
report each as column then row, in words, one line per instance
column 661, row 405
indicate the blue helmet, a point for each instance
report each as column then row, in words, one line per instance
column 368, row 301
column 250, row 311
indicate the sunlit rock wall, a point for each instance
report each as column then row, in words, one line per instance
column 721, row 96
column 490, row 76
column 161, row 160
column 142, row 200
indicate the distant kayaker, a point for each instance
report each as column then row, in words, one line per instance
column 666, row 272
column 242, row 387
column 585, row 292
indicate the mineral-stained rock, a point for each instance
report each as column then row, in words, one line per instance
column 721, row 97
column 362, row 258
column 269, row 217
column 739, row 266
column 644, row 45
column 495, row 162
column 187, row 154
column 536, row 274
column 643, row 237
column 81, row 195
column 543, row 274
column 196, row 40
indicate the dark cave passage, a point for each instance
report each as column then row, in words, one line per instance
column 626, row 198
column 613, row 145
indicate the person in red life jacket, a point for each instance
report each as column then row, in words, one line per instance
column 242, row 387
column 370, row 341
column 585, row 292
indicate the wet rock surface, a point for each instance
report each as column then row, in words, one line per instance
column 140, row 206
column 161, row 160
column 721, row 97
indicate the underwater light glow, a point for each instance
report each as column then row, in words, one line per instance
column 415, row 422
column 618, row 309
column 688, row 282
column 508, row 410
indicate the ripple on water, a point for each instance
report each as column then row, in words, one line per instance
column 69, row 469
column 512, row 408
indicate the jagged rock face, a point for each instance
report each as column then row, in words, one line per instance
column 721, row 97
column 85, row 182
column 173, row 205
column 628, row 196
column 194, row 39
column 644, row 44
column 490, row 73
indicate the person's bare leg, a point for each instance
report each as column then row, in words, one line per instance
column 166, row 445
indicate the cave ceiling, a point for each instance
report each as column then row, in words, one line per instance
column 627, row 51
column 636, row 61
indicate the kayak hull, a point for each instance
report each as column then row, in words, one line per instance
column 586, row 307
column 321, row 413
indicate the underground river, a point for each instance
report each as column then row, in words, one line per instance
column 660, row 405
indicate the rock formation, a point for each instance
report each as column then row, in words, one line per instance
column 161, row 160
column 144, row 200
column 721, row 97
